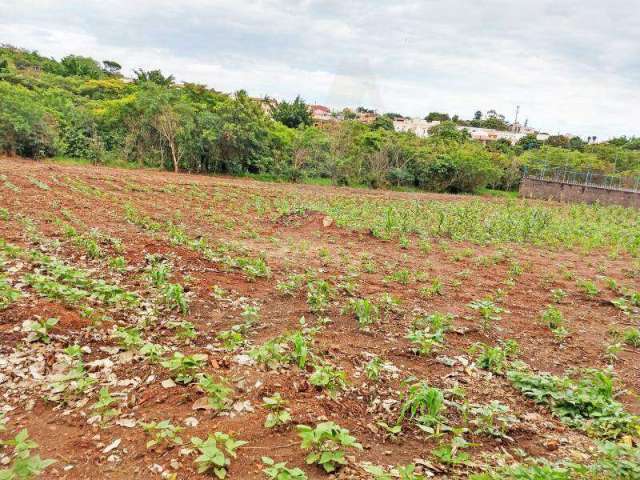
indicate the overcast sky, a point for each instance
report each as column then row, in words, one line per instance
column 572, row 66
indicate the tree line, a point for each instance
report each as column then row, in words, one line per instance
column 81, row 108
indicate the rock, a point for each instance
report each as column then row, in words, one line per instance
column 126, row 422
column 202, row 404
column 551, row 445
column 327, row 222
column 168, row 383
column 244, row 360
column 243, row 406
column 112, row 446
column 191, row 422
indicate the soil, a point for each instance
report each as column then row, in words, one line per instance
column 228, row 212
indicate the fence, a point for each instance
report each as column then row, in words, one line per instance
column 588, row 179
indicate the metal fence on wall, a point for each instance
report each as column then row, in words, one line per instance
column 590, row 179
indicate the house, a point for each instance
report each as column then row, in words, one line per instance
column 320, row 113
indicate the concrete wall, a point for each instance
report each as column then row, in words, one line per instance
column 566, row 192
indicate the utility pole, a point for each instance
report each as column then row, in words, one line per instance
column 517, row 114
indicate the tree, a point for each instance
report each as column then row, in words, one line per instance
column 529, row 142
column 110, row 67
column 477, row 115
column 75, row 65
column 558, row 141
column 448, row 131
column 436, row 116
column 294, row 114
column 384, row 122
column 154, row 76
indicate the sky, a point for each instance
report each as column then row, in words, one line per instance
column 572, row 66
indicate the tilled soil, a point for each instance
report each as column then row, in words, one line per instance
column 240, row 218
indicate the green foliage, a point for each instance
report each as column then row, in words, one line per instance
column 495, row 359
column 587, row 402
column 366, row 312
column 218, row 393
column 424, row 405
column 294, row 114
column 8, row 294
column 280, row 471
column 327, row 442
column 129, row 338
column 329, row 377
column 552, row 317
column 163, row 433
column 183, row 367
column 278, row 413
column 175, row 297
column 213, row 453
column 104, row 405
column 489, row 312
column 24, row 465
column 42, row 328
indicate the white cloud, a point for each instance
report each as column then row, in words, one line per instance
column 571, row 65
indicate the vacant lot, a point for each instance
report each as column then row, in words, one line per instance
column 141, row 311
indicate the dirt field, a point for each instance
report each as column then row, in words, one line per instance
column 234, row 244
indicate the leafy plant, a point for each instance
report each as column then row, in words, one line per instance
column 424, row 405
column 489, row 312
column 212, row 453
column 318, row 295
column 552, row 317
column 129, row 338
column 186, row 331
column 24, row 465
column 495, row 358
column 163, row 433
column 329, row 377
column 631, row 336
column 152, row 352
column 42, row 328
column 327, row 442
column 587, row 402
column 218, row 393
column 104, row 405
column 175, row 297
column 278, row 414
column 8, row 294
column 280, row 471
column 183, row 367
column 366, row 312
column 493, row 419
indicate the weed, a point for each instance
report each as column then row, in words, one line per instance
column 152, row 352
column 495, row 358
column 185, row 331
column 558, row 295
column 631, row 336
column 130, row 338
column 175, row 297
column 231, row 339
column 489, row 313
column 104, row 405
column 588, row 287
column 424, row 405
column 552, row 317
column 8, row 294
column 319, row 294
column 493, row 419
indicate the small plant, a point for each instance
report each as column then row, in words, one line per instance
column 588, row 287
column 493, row 419
column 327, row 442
column 424, row 405
column 390, row 431
column 402, row 276
column 212, row 453
column 278, row 413
column 183, row 367
column 329, row 377
column 8, row 294
column 406, row 472
column 24, row 466
column 435, row 288
column 495, row 358
column 250, row 315
column 130, row 338
column 552, row 317
column 152, row 352
column 185, row 331
column 163, row 433
column 231, row 339
column 218, row 393
column 373, row 368
column 366, row 312
column 42, row 328
column 104, row 405
column 558, row 295
column 175, row 297
column 291, row 285
column 489, row 312
column 118, row 263
column 631, row 336
column 159, row 272
column 279, row 471
column 318, row 295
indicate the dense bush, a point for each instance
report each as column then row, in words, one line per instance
column 81, row 108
